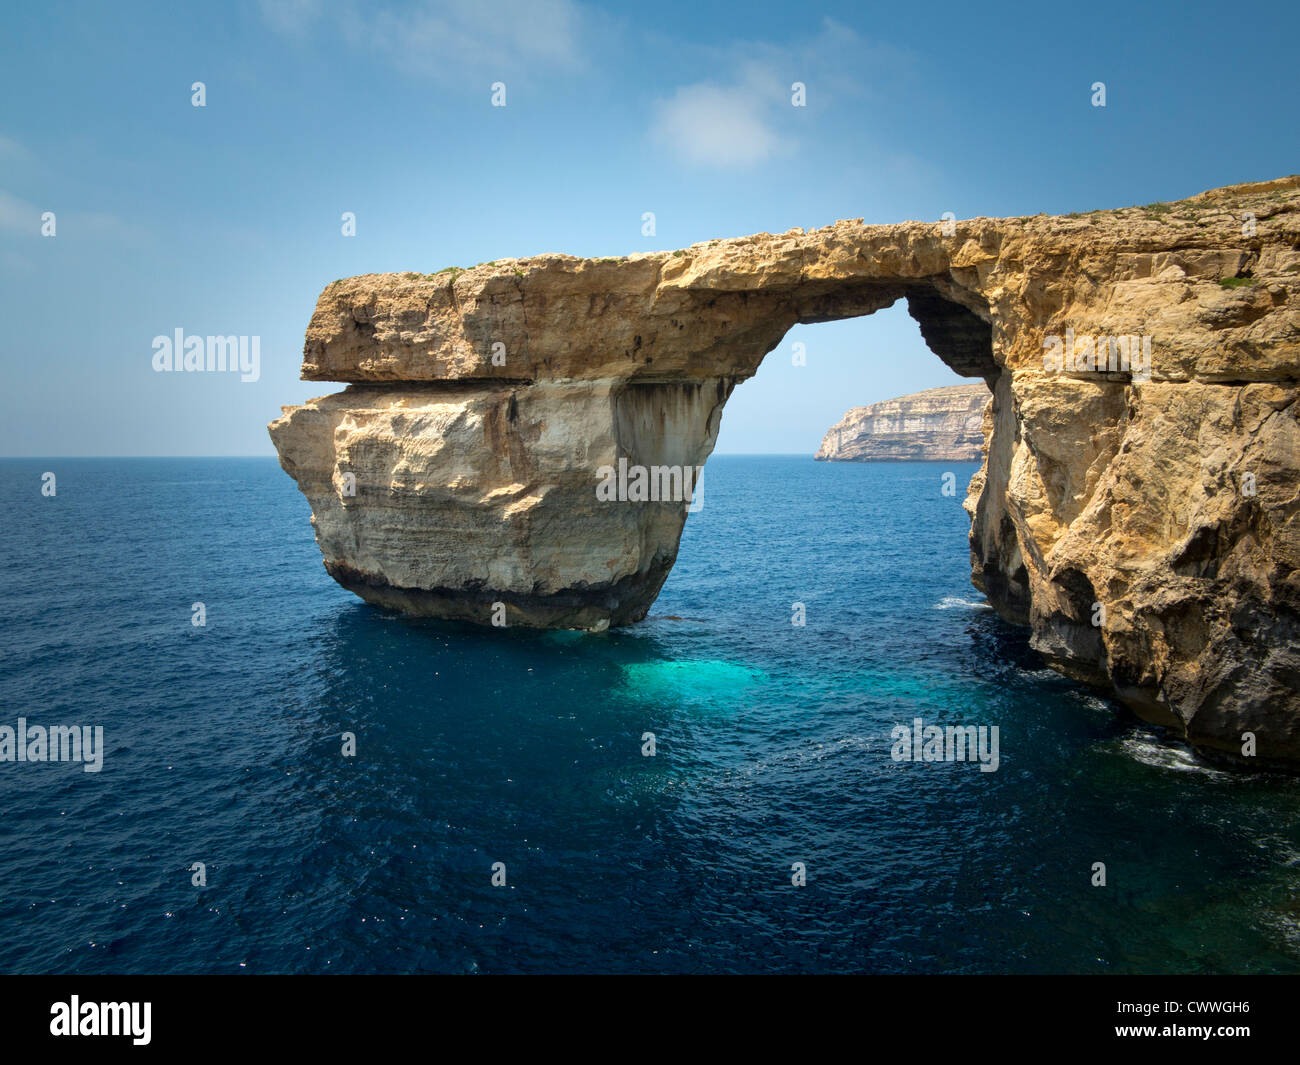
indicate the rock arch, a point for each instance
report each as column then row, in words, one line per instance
column 1104, row 495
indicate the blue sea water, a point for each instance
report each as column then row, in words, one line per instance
column 477, row 746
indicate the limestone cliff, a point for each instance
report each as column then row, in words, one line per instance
column 938, row 424
column 1137, row 503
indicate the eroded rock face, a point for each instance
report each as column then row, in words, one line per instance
column 937, row 424
column 1142, row 520
column 442, row 500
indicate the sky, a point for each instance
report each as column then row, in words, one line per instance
column 227, row 218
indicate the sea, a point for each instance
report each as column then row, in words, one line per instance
column 307, row 784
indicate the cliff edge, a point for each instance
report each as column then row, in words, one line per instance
column 939, row 424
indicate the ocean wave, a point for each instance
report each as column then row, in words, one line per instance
column 819, row 751
column 956, row 602
column 1166, row 754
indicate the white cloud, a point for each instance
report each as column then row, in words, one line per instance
column 449, row 40
column 744, row 116
column 290, row 16
column 17, row 215
column 11, row 149
column 709, row 125
column 473, row 33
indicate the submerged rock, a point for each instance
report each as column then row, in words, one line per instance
column 1137, row 502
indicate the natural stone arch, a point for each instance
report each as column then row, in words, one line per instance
column 475, row 475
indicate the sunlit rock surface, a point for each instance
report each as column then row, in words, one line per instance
column 1143, row 524
column 937, row 424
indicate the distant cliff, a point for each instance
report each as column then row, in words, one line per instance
column 940, row 423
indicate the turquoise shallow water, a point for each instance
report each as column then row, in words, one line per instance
column 480, row 746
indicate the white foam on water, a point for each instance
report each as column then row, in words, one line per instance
column 956, row 602
column 1149, row 750
column 818, row 752
column 1094, row 703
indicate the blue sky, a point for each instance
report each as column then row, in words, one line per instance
column 225, row 219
